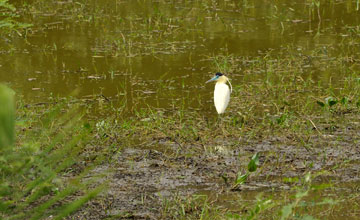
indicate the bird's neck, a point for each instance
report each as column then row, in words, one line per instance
column 222, row 80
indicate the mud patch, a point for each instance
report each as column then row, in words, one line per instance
column 139, row 179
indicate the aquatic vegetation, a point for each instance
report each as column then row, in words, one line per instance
column 148, row 126
column 252, row 166
column 9, row 22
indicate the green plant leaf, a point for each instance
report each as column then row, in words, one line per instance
column 7, row 116
column 330, row 101
column 254, row 162
column 290, row 179
column 241, row 178
column 320, row 103
column 6, row 5
column 280, row 120
column 344, row 100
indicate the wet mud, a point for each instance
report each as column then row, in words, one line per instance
column 141, row 179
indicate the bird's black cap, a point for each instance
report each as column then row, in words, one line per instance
column 219, row 74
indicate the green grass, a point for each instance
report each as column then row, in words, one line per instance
column 304, row 97
column 9, row 23
column 297, row 205
column 42, row 167
column 51, row 155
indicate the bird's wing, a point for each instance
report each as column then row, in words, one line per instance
column 221, row 97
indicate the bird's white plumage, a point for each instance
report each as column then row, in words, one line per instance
column 221, row 97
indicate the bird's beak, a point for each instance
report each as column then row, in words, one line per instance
column 212, row 79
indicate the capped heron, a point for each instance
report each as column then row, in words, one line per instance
column 221, row 92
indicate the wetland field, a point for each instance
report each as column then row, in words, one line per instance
column 105, row 113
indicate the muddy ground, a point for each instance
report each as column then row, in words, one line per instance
column 140, row 179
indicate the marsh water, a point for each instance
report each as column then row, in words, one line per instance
column 137, row 54
column 160, row 53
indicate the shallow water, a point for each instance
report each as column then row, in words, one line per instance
column 160, row 53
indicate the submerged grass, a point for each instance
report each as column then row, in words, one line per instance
column 280, row 104
column 295, row 107
column 279, row 101
column 285, row 108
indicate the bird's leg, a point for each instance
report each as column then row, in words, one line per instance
column 218, row 121
column 223, row 127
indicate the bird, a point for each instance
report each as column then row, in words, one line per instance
column 221, row 92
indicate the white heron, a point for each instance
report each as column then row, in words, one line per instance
column 221, row 92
